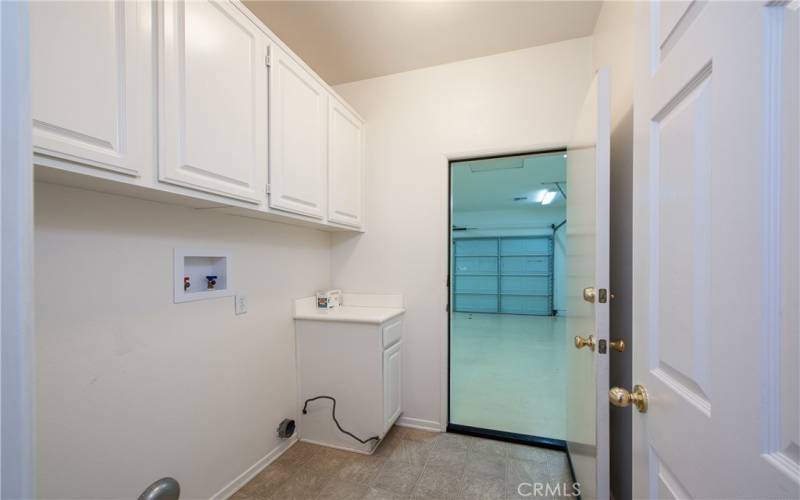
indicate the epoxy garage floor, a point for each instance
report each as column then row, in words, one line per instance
column 410, row 464
column 507, row 373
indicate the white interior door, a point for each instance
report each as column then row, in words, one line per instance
column 587, row 267
column 715, row 251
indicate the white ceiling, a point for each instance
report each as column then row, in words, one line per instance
column 345, row 41
column 493, row 184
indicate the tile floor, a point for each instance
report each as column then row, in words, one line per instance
column 409, row 464
column 508, row 373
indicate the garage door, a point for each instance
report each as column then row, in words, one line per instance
column 512, row 275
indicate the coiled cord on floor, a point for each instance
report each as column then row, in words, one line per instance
column 333, row 414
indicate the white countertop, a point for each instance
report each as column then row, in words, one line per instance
column 378, row 311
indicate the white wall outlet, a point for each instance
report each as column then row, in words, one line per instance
column 241, row 304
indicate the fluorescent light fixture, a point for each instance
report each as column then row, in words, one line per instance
column 538, row 196
column 548, row 197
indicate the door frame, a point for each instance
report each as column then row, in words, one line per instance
column 16, row 258
column 446, row 297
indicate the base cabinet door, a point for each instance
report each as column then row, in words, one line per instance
column 298, row 107
column 345, row 166
column 212, row 99
column 88, row 86
column 392, row 384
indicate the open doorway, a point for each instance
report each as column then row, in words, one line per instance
column 507, row 297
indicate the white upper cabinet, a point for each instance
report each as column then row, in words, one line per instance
column 212, row 99
column 299, row 109
column 89, row 95
column 345, row 166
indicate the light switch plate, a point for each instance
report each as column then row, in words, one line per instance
column 241, row 304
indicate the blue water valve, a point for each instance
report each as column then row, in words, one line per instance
column 212, row 281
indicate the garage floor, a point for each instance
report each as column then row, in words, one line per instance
column 507, row 373
column 412, row 464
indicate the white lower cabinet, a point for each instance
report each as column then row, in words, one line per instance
column 89, row 84
column 213, row 105
column 355, row 355
column 298, row 126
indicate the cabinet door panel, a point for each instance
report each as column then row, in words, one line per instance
column 392, row 384
column 298, row 136
column 213, row 99
column 87, row 103
column 345, row 164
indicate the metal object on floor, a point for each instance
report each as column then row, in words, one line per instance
column 165, row 488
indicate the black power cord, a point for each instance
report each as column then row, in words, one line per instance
column 333, row 414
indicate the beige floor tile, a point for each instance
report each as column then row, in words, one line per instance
column 361, row 469
column 302, row 486
column 518, row 471
column 481, row 488
column 398, row 477
column 475, row 466
column 241, row 496
column 455, row 458
column 378, row 494
column 437, row 483
column 299, row 453
column 486, row 466
column 268, row 481
column 489, row 447
column 342, row 490
column 411, row 452
column 534, row 454
column 387, row 446
column 417, row 434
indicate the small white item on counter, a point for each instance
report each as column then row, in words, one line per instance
column 329, row 299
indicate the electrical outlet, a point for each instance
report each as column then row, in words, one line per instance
column 241, row 304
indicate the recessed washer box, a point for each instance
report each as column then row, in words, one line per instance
column 196, row 266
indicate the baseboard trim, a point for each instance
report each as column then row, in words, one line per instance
column 336, row 447
column 234, row 486
column 418, row 423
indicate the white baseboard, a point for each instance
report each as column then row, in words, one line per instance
column 418, row 423
column 336, row 447
column 234, row 486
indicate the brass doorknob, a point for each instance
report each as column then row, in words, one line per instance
column 581, row 342
column 618, row 396
column 618, row 345
column 588, row 294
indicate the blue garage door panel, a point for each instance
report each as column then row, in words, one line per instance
column 476, row 247
column 508, row 275
column 525, row 246
column 525, row 265
column 476, row 265
column 476, row 284
column 525, row 305
column 476, row 303
column 525, row 285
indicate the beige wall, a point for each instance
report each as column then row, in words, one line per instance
column 132, row 387
column 517, row 100
column 613, row 41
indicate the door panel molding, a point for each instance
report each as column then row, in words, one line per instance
column 780, row 388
